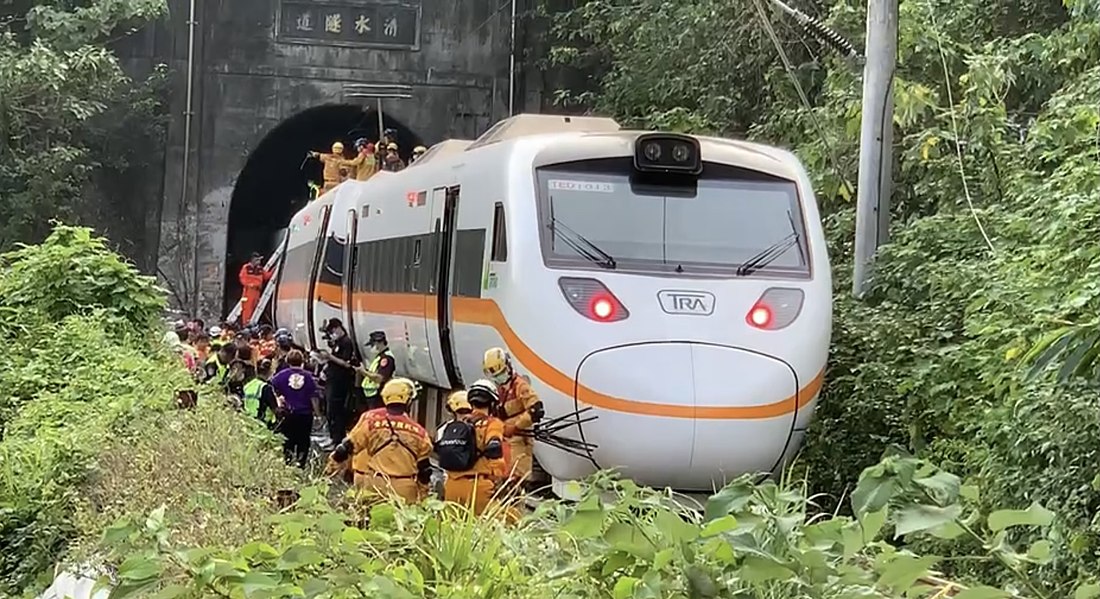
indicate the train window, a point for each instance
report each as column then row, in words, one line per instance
column 596, row 214
column 500, row 235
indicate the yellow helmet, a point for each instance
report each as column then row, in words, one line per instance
column 419, row 150
column 457, row 401
column 337, row 148
column 496, row 365
column 398, row 391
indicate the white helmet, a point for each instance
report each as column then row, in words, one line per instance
column 482, row 390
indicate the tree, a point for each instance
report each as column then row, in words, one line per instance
column 69, row 117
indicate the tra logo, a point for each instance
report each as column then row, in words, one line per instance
column 700, row 303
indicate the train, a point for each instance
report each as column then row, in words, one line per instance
column 678, row 286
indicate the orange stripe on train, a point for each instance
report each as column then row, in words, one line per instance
column 486, row 312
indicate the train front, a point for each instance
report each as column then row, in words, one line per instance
column 688, row 303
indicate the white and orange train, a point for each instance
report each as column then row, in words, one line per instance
column 677, row 285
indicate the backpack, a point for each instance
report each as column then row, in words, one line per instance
column 457, row 446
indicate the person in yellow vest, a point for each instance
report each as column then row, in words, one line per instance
column 332, row 162
column 216, row 369
column 520, row 409
column 389, row 451
column 377, row 372
column 364, row 164
column 259, row 397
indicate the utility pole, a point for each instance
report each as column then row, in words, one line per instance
column 876, row 138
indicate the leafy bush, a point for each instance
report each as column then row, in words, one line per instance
column 75, row 370
column 72, row 272
column 619, row 541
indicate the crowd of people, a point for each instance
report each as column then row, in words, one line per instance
column 484, row 449
column 369, row 159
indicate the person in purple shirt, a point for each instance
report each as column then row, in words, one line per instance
column 294, row 387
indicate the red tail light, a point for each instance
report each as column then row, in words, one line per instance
column 591, row 299
column 777, row 308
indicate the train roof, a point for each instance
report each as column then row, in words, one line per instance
column 523, row 125
column 447, row 147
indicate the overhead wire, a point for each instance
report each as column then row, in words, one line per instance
column 958, row 146
column 789, row 68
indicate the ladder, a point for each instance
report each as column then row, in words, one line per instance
column 274, row 263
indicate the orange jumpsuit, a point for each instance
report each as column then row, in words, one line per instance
column 478, row 484
column 388, row 451
column 253, row 283
column 516, row 400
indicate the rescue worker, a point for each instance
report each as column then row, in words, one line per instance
column 259, row 396
column 475, row 485
column 201, row 342
column 216, row 338
column 392, row 161
column 339, row 378
column 294, row 390
column 418, row 151
column 377, row 373
column 389, row 450
column 520, row 408
column 332, row 162
column 253, row 275
column 217, row 365
column 365, row 163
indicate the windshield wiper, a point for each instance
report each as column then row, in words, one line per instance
column 589, row 250
column 773, row 252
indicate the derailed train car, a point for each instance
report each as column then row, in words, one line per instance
column 677, row 285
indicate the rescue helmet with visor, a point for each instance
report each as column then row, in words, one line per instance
column 482, row 393
column 458, row 401
column 497, row 366
column 398, row 391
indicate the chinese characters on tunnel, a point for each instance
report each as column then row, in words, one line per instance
column 350, row 23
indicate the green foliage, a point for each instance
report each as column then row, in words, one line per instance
column 75, row 371
column 73, row 272
column 70, row 118
column 215, row 472
column 619, row 541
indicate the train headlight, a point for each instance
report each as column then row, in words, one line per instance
column 592, row 299
column 777, row 308
column 668, row 153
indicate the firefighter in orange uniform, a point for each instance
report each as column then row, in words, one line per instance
column 389, row 450
column 520, row 408
column 476, row 483
column 253, row 275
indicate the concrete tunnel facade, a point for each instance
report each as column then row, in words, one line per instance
column 259, row 64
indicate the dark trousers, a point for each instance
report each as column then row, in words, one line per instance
column 296, row 429
column 336, row 407
column 362, row 406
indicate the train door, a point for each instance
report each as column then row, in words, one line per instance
column 315, row 271
column 445, row 210
column 351, row 250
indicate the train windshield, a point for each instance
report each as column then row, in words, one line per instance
column 598, row 214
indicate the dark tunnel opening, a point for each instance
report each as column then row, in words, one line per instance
column 273, row 184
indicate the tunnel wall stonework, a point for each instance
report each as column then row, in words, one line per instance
column 249, row 76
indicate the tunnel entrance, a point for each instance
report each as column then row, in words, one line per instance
column 274, row 183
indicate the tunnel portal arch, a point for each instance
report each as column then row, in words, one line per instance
column 273, row 184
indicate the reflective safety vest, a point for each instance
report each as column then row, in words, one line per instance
column 370, row 387
column 252, row 392
column 223, row 369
